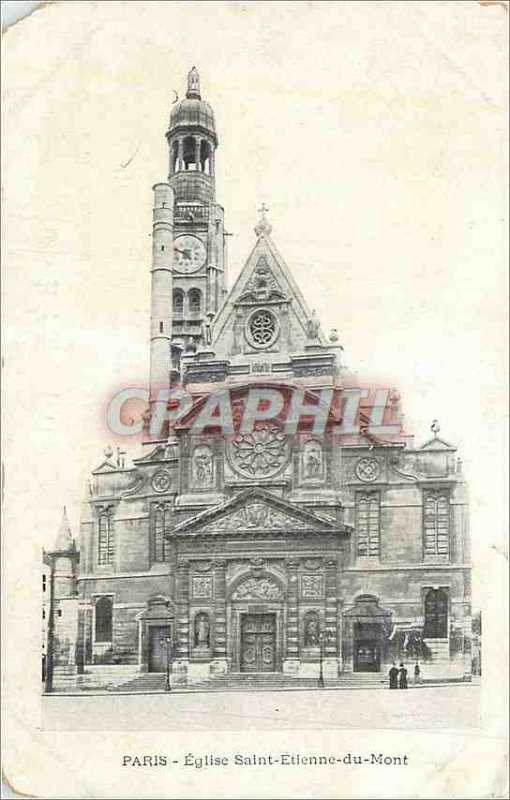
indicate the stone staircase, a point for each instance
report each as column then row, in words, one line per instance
column 149, row 682
column 253, row 681
column 361, row 680
column 154, row 683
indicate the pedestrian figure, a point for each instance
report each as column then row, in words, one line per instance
column 417, row 676
column 402, row 677
column 393, row 675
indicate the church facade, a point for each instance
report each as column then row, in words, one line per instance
column 310, row 539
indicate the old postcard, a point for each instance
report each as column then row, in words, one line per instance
column 255, row 405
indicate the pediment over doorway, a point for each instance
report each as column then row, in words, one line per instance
column 158, row 608
column 366, row 608
column 257, row 510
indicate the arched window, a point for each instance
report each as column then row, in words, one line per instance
column 104, row 619
column 368, row 524
column 436, row 614
column 189, row 153
column 106, row 540
column 178, row 301
column 205, row 156
column 195, row 301
column 175, row 157
column 436, row 525
column 160, row 522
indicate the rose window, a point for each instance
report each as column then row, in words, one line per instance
column 261, row 453
column 262, row 328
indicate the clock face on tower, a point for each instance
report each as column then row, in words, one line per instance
column 190, row 253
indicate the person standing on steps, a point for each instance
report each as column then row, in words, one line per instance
column 393, row 676
column 402, row 677
column 417, row 674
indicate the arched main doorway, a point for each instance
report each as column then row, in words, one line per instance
column 255, row 624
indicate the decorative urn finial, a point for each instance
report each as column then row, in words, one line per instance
column 435, row 428
column 108, row 451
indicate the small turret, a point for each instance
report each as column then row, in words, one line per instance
column 64, row 557
column 64, row 539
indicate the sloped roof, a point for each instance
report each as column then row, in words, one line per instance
column 437, row 444
column 64, row 538
column 264, row 248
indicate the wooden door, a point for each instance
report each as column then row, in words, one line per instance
column 258, row 642
column 157, row 648
column 367, row 648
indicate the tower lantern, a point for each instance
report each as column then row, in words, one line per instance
column 198, row 255
column 192, row 142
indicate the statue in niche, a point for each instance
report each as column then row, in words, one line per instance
column 207, row 331
column 202, row 631
column 203, row 465
column 312, row 326
column 312, row 630
column 312, row 460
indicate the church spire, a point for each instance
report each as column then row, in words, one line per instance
column 64, row 538
column 193, row 83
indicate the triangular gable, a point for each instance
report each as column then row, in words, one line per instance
column 256, row 510
column 106, row 466
column 437, row 444
column 264, row 262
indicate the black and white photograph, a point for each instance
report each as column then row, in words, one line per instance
column 255, row 401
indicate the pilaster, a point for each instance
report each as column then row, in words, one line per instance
column 330, row 609
column 183, row 611
column 219, row 665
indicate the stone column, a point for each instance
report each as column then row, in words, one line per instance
column 291, row 634
column 219, row 665
column 331, row 621
column 180, row 154
column 87, row 635
column 340, row 634
column 181, row 662
column 80, row 641
column 197, row 153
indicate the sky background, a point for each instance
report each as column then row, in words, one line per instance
column 374, row 131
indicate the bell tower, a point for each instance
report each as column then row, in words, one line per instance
column 199, row 264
